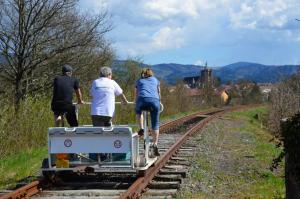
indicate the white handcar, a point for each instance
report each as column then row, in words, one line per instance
column 98, row 149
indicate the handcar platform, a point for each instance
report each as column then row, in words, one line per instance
column 100, row 149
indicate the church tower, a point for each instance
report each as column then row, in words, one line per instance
column 206, row 77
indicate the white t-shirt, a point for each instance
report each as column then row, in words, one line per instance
column 103, row 91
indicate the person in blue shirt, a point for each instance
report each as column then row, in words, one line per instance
column 147, row 97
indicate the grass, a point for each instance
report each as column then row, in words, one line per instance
column 25, row 130
column 23, row 139
column 16, row 167
column 234, row 159
column 24, row 136
column 268, row 184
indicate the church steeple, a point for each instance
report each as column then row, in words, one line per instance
column 206, row 77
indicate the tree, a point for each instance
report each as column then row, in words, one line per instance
column 285, row 102
column 38, row 36
column 254, row 95
column 128, row 73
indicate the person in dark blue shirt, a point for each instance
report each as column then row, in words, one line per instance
column 62, row 105
column 147, row 97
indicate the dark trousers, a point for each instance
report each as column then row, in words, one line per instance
column 99, row 120
column 71, row 117
column 68, row 110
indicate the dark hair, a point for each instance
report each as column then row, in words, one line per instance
column 67, row 68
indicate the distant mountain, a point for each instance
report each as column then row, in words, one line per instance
column 241, row 70
column 255, row 72
column 171, row 73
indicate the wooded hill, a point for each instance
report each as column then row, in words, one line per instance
column 172, row 72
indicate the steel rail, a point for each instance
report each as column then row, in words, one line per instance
column 35, row 187
column 137, row 188
column 24, row 192
column 181, row 120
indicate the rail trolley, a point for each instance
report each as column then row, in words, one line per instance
column 81, row 149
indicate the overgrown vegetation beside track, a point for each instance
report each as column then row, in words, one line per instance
column 24, row 137
column 25, row 130
column 234, row 159
column 285, row 100
column 21, row 165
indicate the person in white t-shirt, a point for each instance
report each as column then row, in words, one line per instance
column 103, row 92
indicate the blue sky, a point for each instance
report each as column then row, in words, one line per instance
column 195, row 31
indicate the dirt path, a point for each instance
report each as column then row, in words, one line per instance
column 233, row 161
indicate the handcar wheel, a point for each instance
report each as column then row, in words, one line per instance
column 48, row 175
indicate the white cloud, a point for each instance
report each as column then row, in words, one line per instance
column 271, row 8
column 199, row 63
column 297, row 39
column 243, row 18
column 167, row 38
column 164, row 39
column 279, row 21
column 163, row 9
column 160, row 10
column 155, row 9
column 148, row 27
column 263, row 14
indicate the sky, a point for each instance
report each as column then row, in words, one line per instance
column 218, row 32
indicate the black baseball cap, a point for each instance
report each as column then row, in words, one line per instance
column 67, row 68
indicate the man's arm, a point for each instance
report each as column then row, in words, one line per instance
column 123, row 98
column 119, row 92
column 79, row 96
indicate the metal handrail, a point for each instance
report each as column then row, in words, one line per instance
column 131, row 103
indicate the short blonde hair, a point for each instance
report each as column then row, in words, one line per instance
column 146, row 72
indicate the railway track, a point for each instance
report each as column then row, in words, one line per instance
column 162, row 180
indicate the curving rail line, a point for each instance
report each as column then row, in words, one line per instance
column 138, row 187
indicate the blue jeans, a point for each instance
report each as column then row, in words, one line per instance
column 149, row 104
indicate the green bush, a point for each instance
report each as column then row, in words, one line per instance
column 27, row 128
